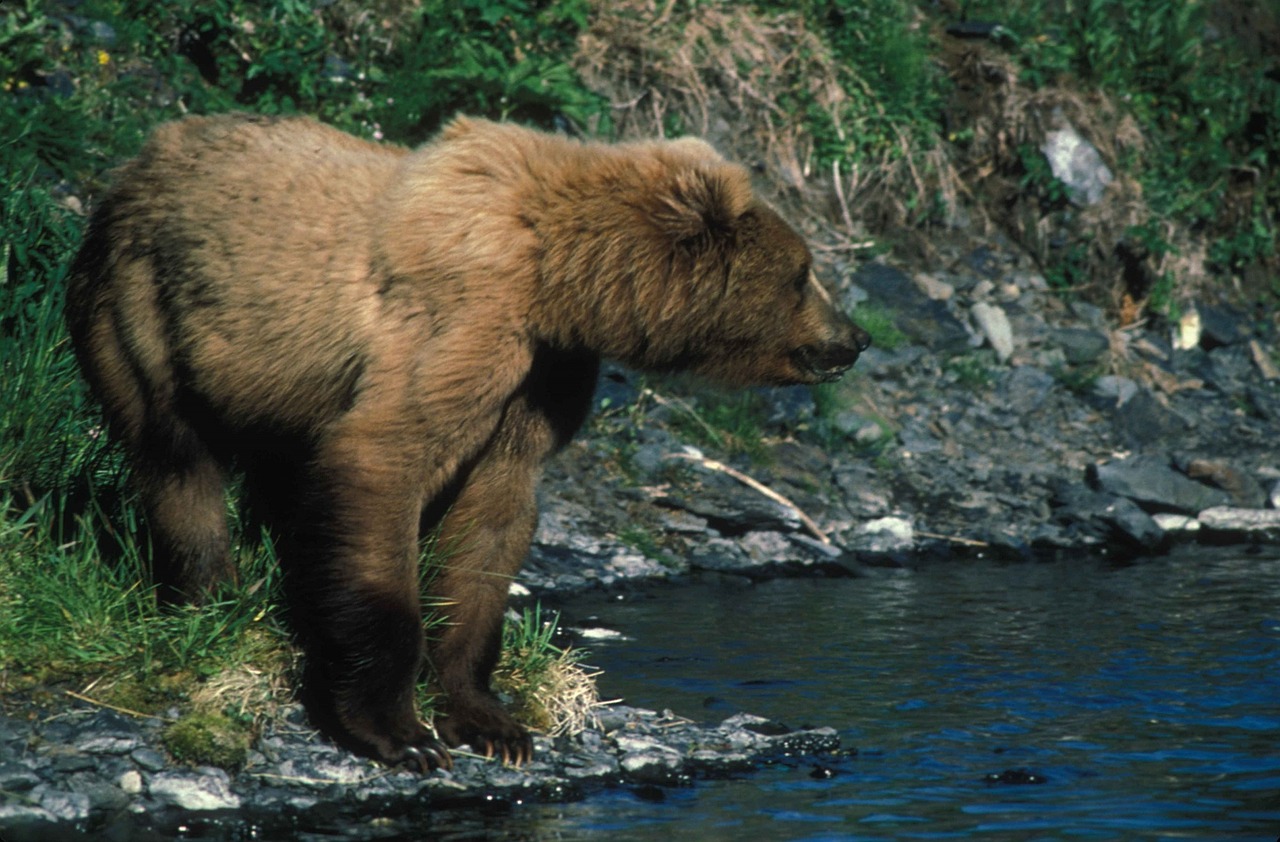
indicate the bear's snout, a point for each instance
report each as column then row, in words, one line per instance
column 827, row 361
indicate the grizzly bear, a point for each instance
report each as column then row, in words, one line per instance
column 386, row 342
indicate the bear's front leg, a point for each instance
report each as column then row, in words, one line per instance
column 354, row 591
column 484, row 539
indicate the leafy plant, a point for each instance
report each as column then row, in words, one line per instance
column 879, row 322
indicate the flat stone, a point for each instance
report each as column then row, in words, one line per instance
column 1082, row 346
column 1025, row 389
column 1152, row 483
column 1170, row 522
column 1248, row 524
column 194, row 791
column 1143, row 421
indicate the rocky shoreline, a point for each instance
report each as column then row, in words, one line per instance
column 1002, row 422
column 83, row 769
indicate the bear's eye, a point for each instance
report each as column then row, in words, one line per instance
column 802, row 279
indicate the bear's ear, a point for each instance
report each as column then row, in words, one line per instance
column 704, row 198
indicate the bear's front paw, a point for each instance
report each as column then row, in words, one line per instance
column 488, row 729
column 425, row 754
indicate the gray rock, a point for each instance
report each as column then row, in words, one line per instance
column 149, row 759
column 735, row 511
column 17, row 777
column 1115, row 389
column 1113, row 519
column 917, row 438
column 1082, row 346
column 63, row 806
column 1025, row 389
column 1142, row 421
column 15, row 815
column 1152, row 483
column 1221, row 326
column 1241, row 524
column 720, row 554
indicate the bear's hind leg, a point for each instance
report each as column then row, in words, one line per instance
column 180, row 481
column 182, row 487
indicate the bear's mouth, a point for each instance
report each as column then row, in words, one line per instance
column 825, row 363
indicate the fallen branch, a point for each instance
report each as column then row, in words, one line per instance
column 810, row 526
column 73, row 694
column 954, row 539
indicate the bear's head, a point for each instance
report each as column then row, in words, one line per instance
column 660, row 255
column 740, row 302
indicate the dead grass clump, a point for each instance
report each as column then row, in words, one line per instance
column 561, row 698
column 739, row 78
column 252, row 692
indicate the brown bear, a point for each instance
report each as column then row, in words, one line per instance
column 388, row 341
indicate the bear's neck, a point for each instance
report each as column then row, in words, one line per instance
column 609, row 280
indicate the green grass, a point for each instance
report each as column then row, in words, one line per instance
column 879, row 323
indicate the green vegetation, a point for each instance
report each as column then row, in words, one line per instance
column 1187, row 108
column 974, row 370
column 1196, row 79
column 879, row 322
column 209, row 739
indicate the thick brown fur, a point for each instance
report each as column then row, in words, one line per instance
column 377, row 337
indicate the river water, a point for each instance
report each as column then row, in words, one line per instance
column 1075, row 699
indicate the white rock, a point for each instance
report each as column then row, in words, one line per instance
column 995, row 326
column 1076, row 163
column 130, row 782
column 1170, row 522
column 897, row 530
column 1263, row 524
column 195, row 791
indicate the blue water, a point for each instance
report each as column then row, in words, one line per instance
column 1145, row 697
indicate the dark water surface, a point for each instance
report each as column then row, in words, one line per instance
column 1145, row 696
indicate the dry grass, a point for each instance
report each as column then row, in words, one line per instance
column 556, row 698
column 1005, row 117
column 720, row 72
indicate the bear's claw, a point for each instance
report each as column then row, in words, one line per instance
column 425, row 757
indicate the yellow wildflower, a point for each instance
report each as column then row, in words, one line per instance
column 104, row 57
